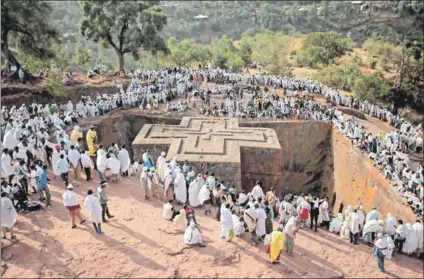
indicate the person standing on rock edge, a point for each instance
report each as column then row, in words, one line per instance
column 71, row 203
column 101, row 194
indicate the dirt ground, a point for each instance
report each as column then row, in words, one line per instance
column 139, row 243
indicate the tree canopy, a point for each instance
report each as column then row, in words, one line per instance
column 126, row 26
column 26, row 26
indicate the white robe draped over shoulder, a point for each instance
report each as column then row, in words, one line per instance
column 8, row 213
column 93, row 208
column 180, row 188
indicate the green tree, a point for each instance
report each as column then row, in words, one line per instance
column 27, row 25
column 83, row 57
column 55, row 85
column 181, row 52
column 321, row 48
column 371, row 86
column 124, row 26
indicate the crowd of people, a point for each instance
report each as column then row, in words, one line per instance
column 35, row 138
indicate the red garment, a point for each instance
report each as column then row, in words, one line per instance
column 73, row 207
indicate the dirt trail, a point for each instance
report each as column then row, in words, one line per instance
column 139, row 243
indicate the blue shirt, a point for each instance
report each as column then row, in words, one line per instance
column 63, row 165
column 43, row 180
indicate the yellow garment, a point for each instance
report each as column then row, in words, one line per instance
column 276, row 245
column 91, row 135
column 75, row 135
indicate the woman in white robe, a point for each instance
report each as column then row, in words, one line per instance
column 180, row 221
column 160, row 166
column 8, row 215
column 192, row 235
column 411, row 242
column 94, row 211
column 180, row 188
column 336, row 223
column 193, row 191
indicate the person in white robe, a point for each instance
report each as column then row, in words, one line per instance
column 168, row 192
column 226, row 219
column 180, row 221
column 390, row 247
column 173, row 162
column 390, row 225
column 124, row 159
column 323, row 213
column 114, row 165
column 193, row 191
column 8, row 215
column 144, row 182
column 336, row 224
column 6, row 164
column 260, row 224
column 257, row 192
column 192, row 235
column 180, row 188
column 373, row 214
column 160, row 166
column 205, row 197
column 371, row 228
column 94, row 211
column 55, row 159
column 418, row 228
column 9, row 140
column 354, row 227
column 238, row 225
column 361, row 215
column 411, row 241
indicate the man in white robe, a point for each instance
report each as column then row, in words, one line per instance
column 193, row 191
column 6, row 164
column 94, row 211
column 124, row 159
column 180, row 188
column 160, row 166
column 192, row 235
column 373, row 214
column 411, row 241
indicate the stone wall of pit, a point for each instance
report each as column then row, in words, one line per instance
column 305, row 163
column 357, row 181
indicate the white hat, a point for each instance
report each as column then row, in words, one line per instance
column 163, row 153
column 70, row 187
